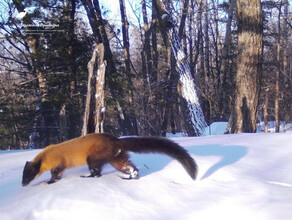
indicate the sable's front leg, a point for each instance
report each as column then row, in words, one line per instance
column 56, row 174
column 94, row 172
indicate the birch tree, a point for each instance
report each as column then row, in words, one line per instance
column 187, row 85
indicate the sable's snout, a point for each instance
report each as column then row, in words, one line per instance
column 24, row 184
column 29, row 173
column 25, row 181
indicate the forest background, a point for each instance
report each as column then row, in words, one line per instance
column 44, row 57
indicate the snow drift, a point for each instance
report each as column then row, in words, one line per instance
column 246, row 176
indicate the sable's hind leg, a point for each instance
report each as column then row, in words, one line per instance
column 56, row 174
column 95, row 167
column 123, row 164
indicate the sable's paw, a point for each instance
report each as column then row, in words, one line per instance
column 43, row 183
column 133, row 175
column 51, row 181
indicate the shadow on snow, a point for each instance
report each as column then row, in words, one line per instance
column 228, row 154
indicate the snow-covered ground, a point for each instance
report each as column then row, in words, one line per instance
column 245, row 176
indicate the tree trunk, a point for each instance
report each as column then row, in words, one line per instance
column 188, row 91
column 44, row 120
column 126, row 47
column 224, row 59
column 286, row 65
column 95, row 19
column 191, row 38
column 199, row 43
column 286, row 46
column 216, row 42
column 151, row 76
column 154, row 42
column 95, row 108
column 147, row 46
column 266, row 104
column 185, row 7
column 277, row 83
column 69, row 128
column 277, row 123
column 249, row 62
column 208, row 87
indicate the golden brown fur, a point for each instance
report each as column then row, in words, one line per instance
column 74, row 152
column 95, row 150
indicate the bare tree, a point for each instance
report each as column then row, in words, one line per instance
column 188, row 90
column 98, row 27
column 95, row 107
column 277, row 83
column 126, row 47
column 32, row 42
column 224, row 59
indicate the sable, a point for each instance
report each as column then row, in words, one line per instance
column 96, row 150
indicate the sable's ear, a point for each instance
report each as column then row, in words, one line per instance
column 29, row 173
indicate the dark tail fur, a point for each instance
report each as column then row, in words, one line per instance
column 160, row 145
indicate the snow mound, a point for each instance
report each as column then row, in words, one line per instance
column 246, row 176
column 216, row 128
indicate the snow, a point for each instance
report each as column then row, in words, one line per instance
column 284, row 127
column 216, row 128
column 21, row 15
column 243, row 176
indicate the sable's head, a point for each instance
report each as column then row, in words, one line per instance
column 29, row 173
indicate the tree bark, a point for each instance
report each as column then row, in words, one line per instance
column 44, row 120
column 126, row 47
column 98, row 28
column 191, row 38
column 286, row 65
column 286, row 46
column 249, row 62
column 95, row 107
column 151, row 76
column 224, row 59
column 154, row 42
column 277, row 122
column 69, row 129
column 147, row 46
column 266, row 104
column 185, row 8
column 208, row 87
column 199, row 43
column 188, row 91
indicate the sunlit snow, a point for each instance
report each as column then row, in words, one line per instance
column 244, row 176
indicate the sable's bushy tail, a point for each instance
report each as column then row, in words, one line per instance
column 162, row 146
